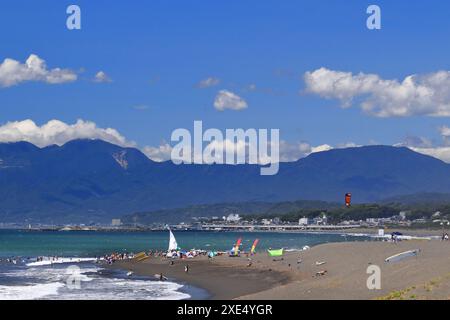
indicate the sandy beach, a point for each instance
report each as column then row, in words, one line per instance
column 294, row 276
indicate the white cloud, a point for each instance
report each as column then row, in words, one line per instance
column 294, row 151
column 442, row 153
column 229, row 100
column 417, row 142
column 12, row 72
column 425, row 146
column 444, row 131
column 416, row 95
column 58, row 132
column 101, row 77
column 321, row 148
column 158, row 154
column 289, row 152
column 208, row 82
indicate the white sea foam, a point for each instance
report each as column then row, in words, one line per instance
column 45, row 281
column 50, row 261
column 29, row 292
column 123, row 289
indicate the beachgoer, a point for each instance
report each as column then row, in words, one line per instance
column 186, row 268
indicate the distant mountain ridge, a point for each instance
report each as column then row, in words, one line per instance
column 92, row 180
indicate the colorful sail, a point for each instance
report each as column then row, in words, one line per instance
column 275, row 253
column 348, row 200
column 236, row 248
column 255, row 243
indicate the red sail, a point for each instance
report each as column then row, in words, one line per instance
column 348, row 199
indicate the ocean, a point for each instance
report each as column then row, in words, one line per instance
column 77, row 250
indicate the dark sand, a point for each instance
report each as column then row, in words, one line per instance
column 222, row 281
column 426, row 276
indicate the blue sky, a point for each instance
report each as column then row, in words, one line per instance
column 157, row 52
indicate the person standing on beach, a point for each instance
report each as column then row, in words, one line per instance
column 186, row 268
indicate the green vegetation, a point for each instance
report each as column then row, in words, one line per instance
column 247, row 209
column 335, row 215
column 292, row 211
column 398, row 295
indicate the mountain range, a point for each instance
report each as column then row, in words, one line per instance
column 94, row 181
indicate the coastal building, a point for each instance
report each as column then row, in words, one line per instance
column 276, row 220
column 436, row 214
column 116, row 222
column 402, row 215
column 233, row 217
column 303, row 221
column 323, row 220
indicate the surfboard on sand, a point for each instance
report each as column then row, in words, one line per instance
column 402, row 255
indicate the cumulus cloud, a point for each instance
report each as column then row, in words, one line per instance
column 208, row 82
column 12, row 72
column 102, row 77
column 418, row 142
column 228, row 100
column 442, row 153
column 289, row 152
column 444, row 131
column 440, row 150
column 58, row 132
column 158, row 154
column 294, row 151
column 416, row 95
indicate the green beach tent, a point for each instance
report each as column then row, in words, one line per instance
column 275, row 253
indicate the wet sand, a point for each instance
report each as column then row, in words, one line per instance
column 426, row 276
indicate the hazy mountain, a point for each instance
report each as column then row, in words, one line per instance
column 92, row 180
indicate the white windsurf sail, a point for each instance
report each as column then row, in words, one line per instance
column 403, row 255
column 173, row 245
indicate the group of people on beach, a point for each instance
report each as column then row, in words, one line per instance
column 110, row 259
column 184, row 254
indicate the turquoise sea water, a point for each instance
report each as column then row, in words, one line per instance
column 21, row 278
column 92, row 243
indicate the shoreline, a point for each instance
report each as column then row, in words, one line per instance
column 294, row 276
column 369, row 231
column 221, row 281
